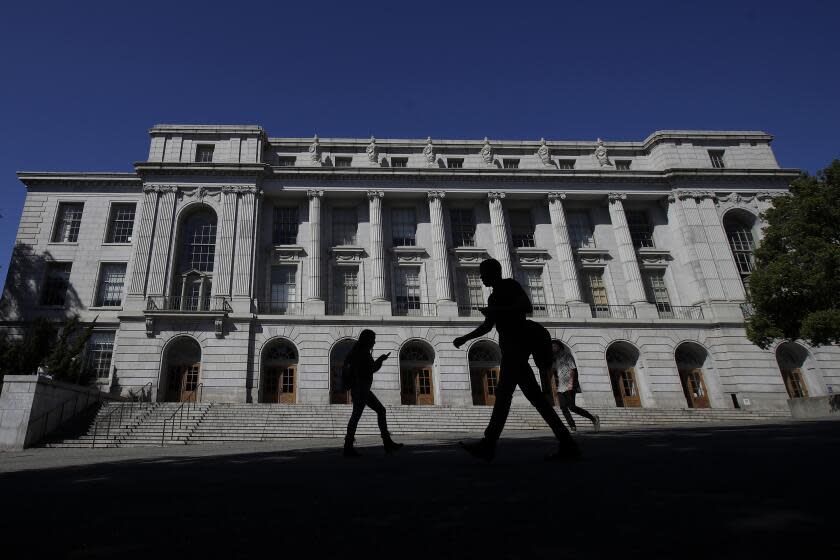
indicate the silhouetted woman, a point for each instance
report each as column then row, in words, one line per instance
column 568, row 387
column 359, row 377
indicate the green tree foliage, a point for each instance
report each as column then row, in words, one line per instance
column 795, row 287
column 65, row 360
column 23, row 356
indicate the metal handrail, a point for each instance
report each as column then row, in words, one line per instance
column 108, row 417
column 190, row 403
column 171, row 418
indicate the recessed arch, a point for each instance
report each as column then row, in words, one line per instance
column 798, row 369
column 484, row 358
column 417, row 385
column 338, row 354
column 180, row 373
column 693, row 365
column 278, row 365
column 191, row 285
column 622, row 362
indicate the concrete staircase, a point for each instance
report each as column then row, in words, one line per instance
column 142, row 424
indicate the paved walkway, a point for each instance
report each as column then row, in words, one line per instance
column 735, row 491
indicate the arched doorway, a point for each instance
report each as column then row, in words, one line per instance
column 182, row 370
column 622, row 360
column 279, row 372
column 549, row 378
column 416, row 362
column 338, row 393
column 484, row 358
column 691, row 359
column 791, row 358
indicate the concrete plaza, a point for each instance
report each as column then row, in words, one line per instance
column 740, row 491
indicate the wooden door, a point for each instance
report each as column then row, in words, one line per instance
column 625, row 389
column 270, row 383
column 287, row 384
column 337, row 394
column 490, row 380
column 182, row 382
column 408, row 390
column 794, row 383
column 423, row 383
column 694, row 387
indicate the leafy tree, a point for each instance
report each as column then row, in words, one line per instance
column 65, row 360
column 23, row 356
column 795, row 287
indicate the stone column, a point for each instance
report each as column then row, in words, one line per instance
column 698, row 234
column 314, row 302
column 500, row 234
column 222, row 275
column 565, row 258
column 142, row 250
column 162, row 240
column 733, row 288
column 443, row 285
column 244, row 252
column 692, row 261
column 626, row 252
column 379, row 301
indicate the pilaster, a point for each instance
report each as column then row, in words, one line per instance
column 500, row 234
column 698, row 234
column 379, row 301
column 156, row 283
column 733, row 287
column 565, row 258
column 443, row 285
column 314, row 304
column 142, row 250
column 696, row 277
column 246, row 221
column 224, row 259
column 626, row 252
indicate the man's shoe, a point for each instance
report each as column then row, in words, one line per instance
column 597, row 423
column 391, row 446
column 482, row 449
column 564, row 454
column 349, row 450
column 573, row 428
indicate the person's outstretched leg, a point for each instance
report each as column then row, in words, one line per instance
column 486, row 448
column 567, row 447
column 596, row 421
column 564, row 407
column 359, row 397
column 379, row 409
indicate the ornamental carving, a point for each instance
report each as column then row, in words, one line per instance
column 469, row 255
column 219, row 327
column 201, row 192
column 160, row 189
column 347, row 255
column 617, row 197
column 409, row 255
column 493, row 195
column 315, row 151
column 486, row 152
column 559, row 196
column 601, row 154
column 375, row 194
column 436, row 195
column 371, row 151
column 314, row 193
column 531, row 256
column 544, row 153
column 429, row 152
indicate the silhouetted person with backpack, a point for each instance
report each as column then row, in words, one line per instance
column 357, row 375
column 568, row 387
column 506, row 309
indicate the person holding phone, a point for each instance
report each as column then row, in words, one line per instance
column 360, row 369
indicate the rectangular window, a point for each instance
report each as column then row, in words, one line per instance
column 204, row 153
column 472, row 295
column 403, row 227
column 111, row 283
column 286, row 161
column 56, row 283
column 68, row 221
column 640, row 231
column 566, row 163
column 283, row 288
column 716, row 157
column 581, row 235
column 344, row 226
column 510, row 163
column 598, row 294
column 99, row 353
column 455, row 163
column 343, row 161
column 534, row 287
column 399, row 162
column 346, row 290
column 408, row 291
column 521, row 228
column 658, row 293
column 285, row 224
column 120, row 223
column 622, row 164
column 463, row 227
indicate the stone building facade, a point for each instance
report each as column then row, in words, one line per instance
column 235, row 267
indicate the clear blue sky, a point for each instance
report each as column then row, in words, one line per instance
column 83, row 81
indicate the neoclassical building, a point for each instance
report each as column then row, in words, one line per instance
column 235, row 267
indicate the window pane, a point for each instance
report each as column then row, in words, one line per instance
column 68, row 222
column 471, row 289
column 100, row 352
column 408, row 290
column 121, row 223
column 463, row 227
column 403, row 226
column 285, row 226
column 111, row 282
column 204, row 153
column 597, row 291
column 521, row 228
column 580, row 230
column 534, row 286
column 344, row 226
column 283, row 287
column 658, row 293
column 640, row 231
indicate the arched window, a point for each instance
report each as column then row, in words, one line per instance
column 196, row 259
column 739, row 234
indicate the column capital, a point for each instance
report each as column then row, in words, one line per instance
column 494, row 195
column 372, row 194
column 552, row 196
column 617, row 196
column 160, row 188
column 432, row 195
column 315, row 193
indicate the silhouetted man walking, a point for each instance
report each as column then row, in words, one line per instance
column 507, row 308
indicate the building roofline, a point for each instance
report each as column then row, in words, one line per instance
column 207, row 128
column 32, row 178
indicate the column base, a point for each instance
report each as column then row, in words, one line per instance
column 447, row 308
column 314, row 307
column 645, row 310
column 380, row 308
column 579, row 309
column 240, row 304
column 726, row 311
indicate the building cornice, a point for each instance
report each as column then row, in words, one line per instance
column 59, row 178
column 146, row 168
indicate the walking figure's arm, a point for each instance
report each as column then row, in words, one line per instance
column 482, row 329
